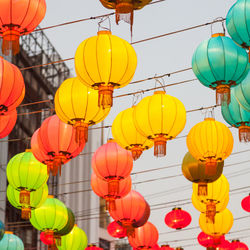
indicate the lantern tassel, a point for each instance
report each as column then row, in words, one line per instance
column 244, row 133
column 210, row 166
column 110, row 205
column 223, row 94
column 81, row 135
column 105, row 98
column 58, row 239
column 57, row 164
column 10, row 42
column 26, row 213
column 136, row 152
column 160, row 145
column 113, row 187
column 24, row 197
column 211, row 212
column 202, row 189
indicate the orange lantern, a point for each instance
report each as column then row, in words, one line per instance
column 102, row 189
column 17, row 18
column 7, row 123
column 54, row 144
column 12, row 88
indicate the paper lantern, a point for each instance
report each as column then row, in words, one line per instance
column 194, row 171
column 145, row 236
column 160, row 118
column 26, row 174
column 206, row 240
column 178, row 218
column 237, row 117
column 50, row 218
column 210, row 142
column 93, row 247
column 237, row 245
column 131, row 211
column 37, row 198
column 2, row 228
column 105, row 62
column 245, row 203
column 220, row 64
column 116, row 231
column 47, row 239
column 166, row 247
column 79, row 109
column 7, row 123
column 103, row 189
column 126, row 135
column 112, row 163
column 10, row 242
column 54, row 144
column 76, row 239
column 221, row 226
column 12, row 88
column 19, row 18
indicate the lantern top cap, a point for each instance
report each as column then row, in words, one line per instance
column 165, row 245
column 50, row 196
column 110, row 140
column 8, row 232
column 218, row 34
column 176, row 208
column 104, row 32
column 159, row 92
column 209, row 119
column 91, row 245
column 236, row 240
column 28, row 150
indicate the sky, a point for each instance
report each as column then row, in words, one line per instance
column 156, row 57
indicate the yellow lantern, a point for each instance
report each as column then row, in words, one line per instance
column 126, row 135
column 210, row 208
column 222, row 224
column 210, row 142
column 105, row 62
column 76, row 104
column 215, row 194
column 160, row 117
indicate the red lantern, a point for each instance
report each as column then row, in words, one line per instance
column 245, row 203
column 237, row 245
column 206, row 240
column 225, row 245
column 12, row 88
column 47, row 239
column 144, row 237
column 19, row 18
column 54, row 144
column 7, row 123
column 116, row 231
column 93, row 247
column 131, row 211
column 102, row 189
column 166, row 247
column 178, row 219
column 112, row 163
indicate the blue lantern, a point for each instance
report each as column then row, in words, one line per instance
column 238, row 117
column 242, row 93
column 1, row 230
column 238, row 23
column 220, row 64
column 11, row 242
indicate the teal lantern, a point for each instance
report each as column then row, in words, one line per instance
column 220, row 64
column 242, row 93
column 238, row 23
column 11, row 242
column 1, row 230
column 237, row 117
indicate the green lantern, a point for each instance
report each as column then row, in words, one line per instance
column 37, row 198
column 51, row 217
column 26, row 174
column 76, row 239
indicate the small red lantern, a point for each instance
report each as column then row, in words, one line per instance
column 245, row 203
column 144, row 237
column 166, row 247
column 116, row 231
column 47, row 239
column 112, row 163
column 93, row 247
column 206, row 240
column 7, row 123
column 131, row 211
column 237, row 245
column 225, row 245
column 178, row 218
column 102, row 189
column 54, row 144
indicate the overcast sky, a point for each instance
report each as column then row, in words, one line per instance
column 161, row 56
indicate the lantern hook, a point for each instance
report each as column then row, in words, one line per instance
column 158, row 81
column 100, row 23
column 218, row 20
